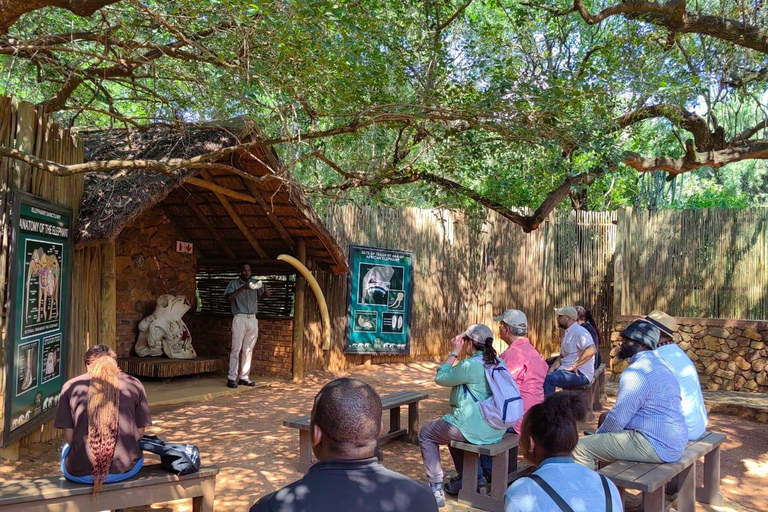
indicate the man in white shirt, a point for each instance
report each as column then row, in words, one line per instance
column 577, row 354
column 694, row 410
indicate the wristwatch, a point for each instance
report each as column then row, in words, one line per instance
column 452, row 354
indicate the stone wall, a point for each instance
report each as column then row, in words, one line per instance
column 272, row 356
column 147, row 265
column 730, row 355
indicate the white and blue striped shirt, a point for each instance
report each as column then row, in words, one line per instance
column 649, row 402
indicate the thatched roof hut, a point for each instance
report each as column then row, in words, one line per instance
column 227, row 216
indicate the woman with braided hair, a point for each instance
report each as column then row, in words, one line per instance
column 103, row 414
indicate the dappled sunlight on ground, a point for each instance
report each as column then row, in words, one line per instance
column 244, row 436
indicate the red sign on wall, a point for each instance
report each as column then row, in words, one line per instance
column 184, row 247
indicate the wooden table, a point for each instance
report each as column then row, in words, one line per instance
column 392, row 403
column 650, row 479
column 151, row 485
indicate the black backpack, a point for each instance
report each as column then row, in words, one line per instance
column 181, row 459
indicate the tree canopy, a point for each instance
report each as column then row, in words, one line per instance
column 503, row 103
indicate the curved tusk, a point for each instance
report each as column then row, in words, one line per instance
column 304, row 271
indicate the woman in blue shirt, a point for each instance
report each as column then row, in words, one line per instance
column 549, row 434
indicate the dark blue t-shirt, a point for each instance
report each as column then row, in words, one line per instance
column 350, row 486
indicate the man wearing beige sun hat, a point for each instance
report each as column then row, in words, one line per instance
column 694, row 410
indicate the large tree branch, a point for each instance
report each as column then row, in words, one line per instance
column 749, row 133
column 673, row 16
column 751, row 150
column 705, row 140
column 12, row 10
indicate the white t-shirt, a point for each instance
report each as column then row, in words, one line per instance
column 575, row 340
column 694, row 410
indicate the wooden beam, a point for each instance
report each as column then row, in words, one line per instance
column 298, row 315
column 218, row 189
column 192, row 202
column 237, row 220
column 108, row 303
column 254, row 190
column 180, row 231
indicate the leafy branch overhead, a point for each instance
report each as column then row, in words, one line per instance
column 505, row 104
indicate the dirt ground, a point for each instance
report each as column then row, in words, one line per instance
column 244, row 436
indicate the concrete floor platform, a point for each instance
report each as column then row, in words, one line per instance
column 183, row 390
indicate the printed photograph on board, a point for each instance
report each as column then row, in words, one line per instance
column 42, row 287
column 51, row 357
column 27, row 363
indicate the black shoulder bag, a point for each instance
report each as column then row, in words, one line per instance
column 560, row 502
column 181, row 459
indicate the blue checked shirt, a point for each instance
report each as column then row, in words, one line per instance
column 649, row 402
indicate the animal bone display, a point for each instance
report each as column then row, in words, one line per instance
column 164, row 332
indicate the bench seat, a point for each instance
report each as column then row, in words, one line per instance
column 391, row 403
column 593, row 392
column 151, row 485
column 651, row 478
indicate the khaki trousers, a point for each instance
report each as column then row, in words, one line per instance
column 245, row 330
column 625, row 445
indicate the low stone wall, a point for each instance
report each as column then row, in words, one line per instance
column 272, row 356
column 730, row 355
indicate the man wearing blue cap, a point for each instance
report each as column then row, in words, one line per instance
column 646, row 424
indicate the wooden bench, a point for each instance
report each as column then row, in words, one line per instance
column 152, row 485
column 594, row 392
column 392, row 403
column 504, row 462
column 650, row 479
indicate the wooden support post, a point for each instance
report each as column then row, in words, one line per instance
column 108, row 306
column 218, row 189
column 237, row 220
column 298, row 314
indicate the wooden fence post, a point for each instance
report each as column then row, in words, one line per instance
column 108, row 303
column 298, row 314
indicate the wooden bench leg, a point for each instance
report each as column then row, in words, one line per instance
column 413, row 423
column 204, row 503
column 710, row 493
column 305, row 451
column 654, row 501
column 686, row 489
column 500, row 466
column 394, row 419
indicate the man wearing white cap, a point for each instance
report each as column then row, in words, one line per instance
column 694, row 410
column 577, row 354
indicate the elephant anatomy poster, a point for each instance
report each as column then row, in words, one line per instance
column 378, row 301
column 41, row 253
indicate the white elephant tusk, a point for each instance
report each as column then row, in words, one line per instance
column 304, row 271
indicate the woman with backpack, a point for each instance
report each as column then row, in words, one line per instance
column 549, row 434
column 103, row 414
column 463, row 371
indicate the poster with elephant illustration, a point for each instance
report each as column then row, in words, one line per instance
column 379, row 298
column 38, row 316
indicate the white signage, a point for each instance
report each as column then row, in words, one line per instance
column 184, row 247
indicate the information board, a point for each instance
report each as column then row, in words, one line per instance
column 38, row 316
column 379, row 299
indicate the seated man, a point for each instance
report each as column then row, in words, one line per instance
column 577, row 354
column 694, row 410
column 646, row 424
column 345, row 427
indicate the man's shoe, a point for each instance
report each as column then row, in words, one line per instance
column 231, row 383
column 437, row 492
column 246, row 382
column 453, row 486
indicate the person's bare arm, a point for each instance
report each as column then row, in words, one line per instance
column 585, row 357
column 69, row 435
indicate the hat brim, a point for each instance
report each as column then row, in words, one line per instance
column 498, row 318
column 663, row 328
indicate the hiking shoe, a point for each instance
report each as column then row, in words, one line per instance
column 437, row 492
column 453, row 486
column 246, row 382
column 231, row 383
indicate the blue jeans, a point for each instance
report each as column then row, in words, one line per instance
column 88, row 479
column 563, row 379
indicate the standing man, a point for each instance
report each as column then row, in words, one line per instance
column 243, row 294
column 577, row 354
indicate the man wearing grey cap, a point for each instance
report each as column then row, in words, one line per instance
column 646, row 424
column 577, row 354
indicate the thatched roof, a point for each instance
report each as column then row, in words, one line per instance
column 271, row 213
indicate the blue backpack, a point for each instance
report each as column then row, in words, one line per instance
column 505, row 405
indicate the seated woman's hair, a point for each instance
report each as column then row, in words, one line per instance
column 489, row 353
column 553, row 423
column 103, row 409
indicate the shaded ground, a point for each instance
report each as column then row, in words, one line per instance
column 244, row 436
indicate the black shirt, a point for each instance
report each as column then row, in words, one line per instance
column 350, row 486
column 593, row 332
